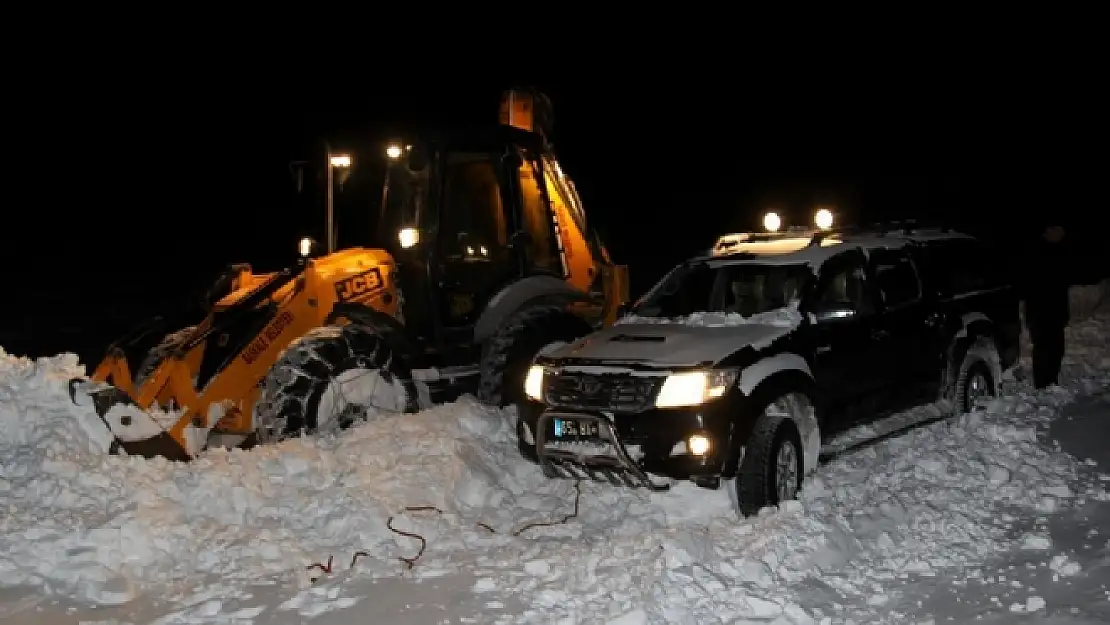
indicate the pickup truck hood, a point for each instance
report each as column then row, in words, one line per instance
column 669, row 344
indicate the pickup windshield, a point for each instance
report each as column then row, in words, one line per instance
column 724, row 287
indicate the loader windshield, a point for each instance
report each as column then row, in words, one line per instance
column 403, row 202
column 729, row 287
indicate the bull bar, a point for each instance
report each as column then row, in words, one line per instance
column 616, row 468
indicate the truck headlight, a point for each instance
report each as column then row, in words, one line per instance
column 694, row 388
column 533, row 383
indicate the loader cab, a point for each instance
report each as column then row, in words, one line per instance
column 466, row 213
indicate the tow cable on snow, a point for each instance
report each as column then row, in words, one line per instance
column 423, row 543
column 577, row 499
column 411, row 562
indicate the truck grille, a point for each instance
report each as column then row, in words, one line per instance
column 588, row 391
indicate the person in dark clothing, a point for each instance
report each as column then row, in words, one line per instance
column 1046, row 305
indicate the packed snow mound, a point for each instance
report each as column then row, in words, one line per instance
column 1085, row 299
column 936, row 502
column 785, row 317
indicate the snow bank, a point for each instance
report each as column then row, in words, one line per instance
column 1086, row 299
column 203, row 537
column 786, row 317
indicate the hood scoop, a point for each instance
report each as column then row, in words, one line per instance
column 637, row 338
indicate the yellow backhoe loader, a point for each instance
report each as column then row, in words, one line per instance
column 485, row 259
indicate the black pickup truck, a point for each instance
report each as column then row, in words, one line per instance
column 737, row 364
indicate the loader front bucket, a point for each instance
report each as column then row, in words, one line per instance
column 129, row 428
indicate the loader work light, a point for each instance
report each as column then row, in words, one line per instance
column 698, row 444
column 340, row 160
column 772, row 222
column 305, row 246
column 393, row 152
column 823, row 218
column 408, row 237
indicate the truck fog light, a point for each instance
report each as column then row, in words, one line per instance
column 698, row 444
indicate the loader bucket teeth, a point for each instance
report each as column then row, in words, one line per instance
column 160, row 445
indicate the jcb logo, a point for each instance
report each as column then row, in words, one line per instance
column 359, row 286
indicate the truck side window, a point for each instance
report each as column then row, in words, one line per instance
column 843, row 281
column 896, row 277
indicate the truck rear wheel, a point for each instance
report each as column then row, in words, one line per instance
column 507, row 355
column 976, row 379
column 330, row 379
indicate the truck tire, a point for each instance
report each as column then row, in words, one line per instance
column 772, row 468
column 977, row 377
column 159, row 353
column 329, row 379
column 507, row 355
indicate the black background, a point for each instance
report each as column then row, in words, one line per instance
column 127, row 199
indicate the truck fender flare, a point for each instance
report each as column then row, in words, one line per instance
column 514, row 296
column 972, row 325
column 970, row 321
column 769, row 378
column 760, row 370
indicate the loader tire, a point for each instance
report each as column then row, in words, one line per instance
column 324, row 365
column 507, row 355
column 160, row 352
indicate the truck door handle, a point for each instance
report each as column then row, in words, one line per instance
column 879, row 335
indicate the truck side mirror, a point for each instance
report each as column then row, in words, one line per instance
column 832, row 313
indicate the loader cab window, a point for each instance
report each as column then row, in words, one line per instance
column 405, row 199
column 472, row 219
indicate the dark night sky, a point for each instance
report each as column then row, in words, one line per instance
column 153, row 194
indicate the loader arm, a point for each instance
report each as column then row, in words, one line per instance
column 131, row 412
column 210, row 379
column 588, row 266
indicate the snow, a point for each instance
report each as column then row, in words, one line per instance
column 786, row 317
column 987, row 517
column 680, row 342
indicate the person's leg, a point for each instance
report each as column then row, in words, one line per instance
column 1048, row 353
column 1041, row 353
column 1055, row 356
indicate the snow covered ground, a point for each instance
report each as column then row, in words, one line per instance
column 1001, row 516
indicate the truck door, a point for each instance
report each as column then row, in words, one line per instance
column 903, row 322
column 849, row 357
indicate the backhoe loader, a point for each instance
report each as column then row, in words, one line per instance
column 486, row 259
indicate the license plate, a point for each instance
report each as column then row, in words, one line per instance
column 576, row 428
